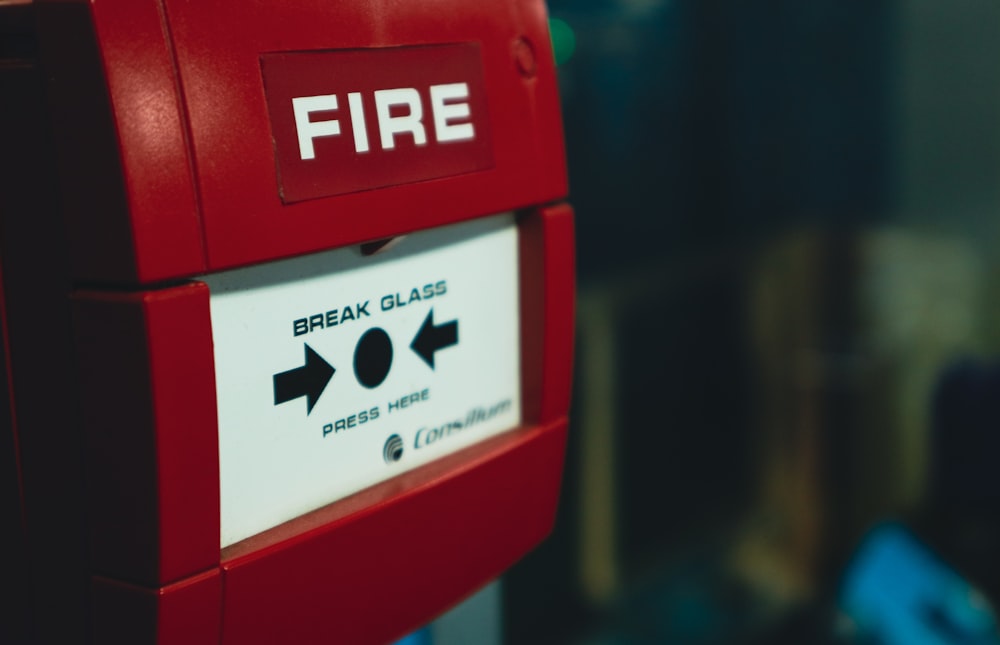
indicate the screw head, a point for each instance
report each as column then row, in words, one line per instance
column 524, row 58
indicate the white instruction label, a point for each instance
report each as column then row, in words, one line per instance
column 337, row 371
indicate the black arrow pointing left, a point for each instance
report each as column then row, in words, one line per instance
column 432, row 338
column 309, row 381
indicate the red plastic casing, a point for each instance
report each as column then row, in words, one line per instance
column 178, row 85
column 164, row 151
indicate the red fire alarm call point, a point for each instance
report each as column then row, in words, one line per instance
column 287, row 314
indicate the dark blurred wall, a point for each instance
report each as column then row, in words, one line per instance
column 700, row 133
column 788, row 213
column 693, row 123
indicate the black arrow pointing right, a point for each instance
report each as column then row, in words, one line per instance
column 431, row 338
column 309, row 381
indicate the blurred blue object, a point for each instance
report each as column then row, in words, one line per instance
column 897, row 592
column 421, row 637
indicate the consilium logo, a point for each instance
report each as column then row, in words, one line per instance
column 393, row 449
column 344, row 121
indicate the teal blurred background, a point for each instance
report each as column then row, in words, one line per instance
column 788, row 325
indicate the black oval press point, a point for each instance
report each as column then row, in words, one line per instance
column 309, row 380
column 373, row 357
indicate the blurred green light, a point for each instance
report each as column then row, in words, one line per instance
column 563, row 40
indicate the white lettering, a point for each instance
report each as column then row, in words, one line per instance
column 358, row 122
column 449, row 107
column 445, row 112
column 308, row 130
column 389, row 126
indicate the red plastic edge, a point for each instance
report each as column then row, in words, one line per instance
column 184, row 613
column 411, row 552
column 148, row 407
column 548, row 306
column 129, row 184
column 144, row 89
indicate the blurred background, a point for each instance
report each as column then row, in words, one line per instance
column 787, row 392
